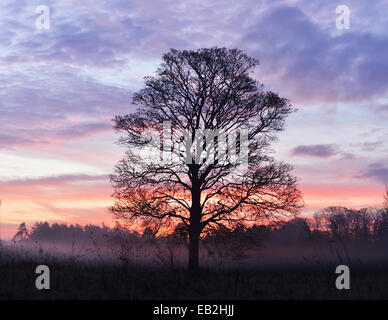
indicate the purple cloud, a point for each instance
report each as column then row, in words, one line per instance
column 318, row 151
column 376, row 171
column 314, row 65
column 55, row 180
column 8, row 141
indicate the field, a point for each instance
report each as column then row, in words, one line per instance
column 96, row 280
column 286, row 261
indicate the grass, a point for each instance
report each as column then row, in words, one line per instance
column 85, row 280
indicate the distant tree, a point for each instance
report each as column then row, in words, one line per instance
column 296, row 229
column 381, row 226
column 41, row 231
column 180, row 233
column 366, row 224
column 172, row 242
column 334, row 220
column 148, row 234
column 381, row 223
column 233, row 244
column 199, row 93
column 22, row 232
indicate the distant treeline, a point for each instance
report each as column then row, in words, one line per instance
column 332, row 223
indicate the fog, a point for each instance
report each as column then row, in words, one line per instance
column 332, row 237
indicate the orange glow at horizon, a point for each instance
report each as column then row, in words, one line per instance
column 87, row 202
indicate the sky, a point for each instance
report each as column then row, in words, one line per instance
column 60, row 88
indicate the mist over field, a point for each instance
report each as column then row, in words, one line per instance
column 361, row 239
column 287, row 259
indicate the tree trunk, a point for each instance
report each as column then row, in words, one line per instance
column 193, row 249
column 194, row 229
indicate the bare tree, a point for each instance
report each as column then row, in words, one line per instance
column 386, row 198
column 200, row 93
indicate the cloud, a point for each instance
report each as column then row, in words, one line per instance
column 8, row 141
column 81, row 130
column 369, row 146
column 376, row 171
column 43, row 136
column 56, row 180
column 312, row 63
column 44, row 106
column 318, row 150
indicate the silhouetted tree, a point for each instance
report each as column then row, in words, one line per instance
column 232, row 244
column 366, row 224
column 293, row 230
column 148, row 234
column 210, row 101
column 21, row 233
column 173, row 241
column 381, row 223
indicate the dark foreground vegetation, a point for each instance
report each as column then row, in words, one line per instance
column 106, row 281
column 293, row 259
